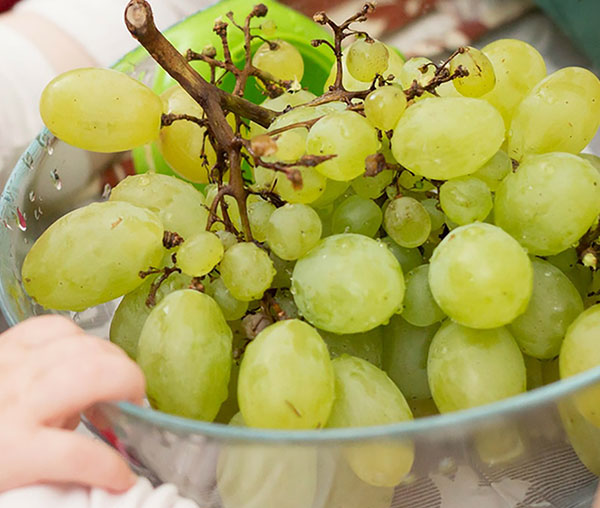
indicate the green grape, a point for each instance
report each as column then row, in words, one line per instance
column 385, row 106
column 371, row 187
column 560, row 114
column 131, row 314
column 366, row 59
column 407, row 222
column 465, row 200
column 518, row 67
column 293, row 230
column 405, row 349
column 495, row 170
column 199, row 254
column 296, row 115
column 420, row 309
column 92, row 255
column 233, row 209
column 101, row 110
column 580, row 352
column 279, row 59
column 272, row 476
column 185, row 346
column 279, row 104
column 583, row 435
column 179, row 206
column 284, row 269
column 346, row 490
column 419, row 69
column 348, row 284
column 232, row 308
column 594, row 160
column 408, row 258
column 336, row 134
column 357, row 215
column 365, row 395
column 480, row 276
column 535, row 374
column 437, row 217
column 291, row 146
column 468, row 367
column 442, row 138
column 481, row 78
column 247, row 271
column 313, row 186
column 333, row 190
column 549, row 203
column 366, row 345
column 554, row 305
column 227, row 238
column 182, row 143
column 268, row 27
column 294, row 392
column 259, row 213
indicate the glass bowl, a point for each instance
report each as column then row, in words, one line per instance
column 535, row 449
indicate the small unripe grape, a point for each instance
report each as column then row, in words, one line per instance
column 366, row 59
column 371, row 187
column 465, row 200
column 357, row 215
column 481, row 78
column 435, row 214
column 407, row 222
column 293, row 230
column 283, row 62
column 268, row 27
column 494, row 170
column 200, row 254
column 384, row 107
column 232, row 308
column 247, row 271
column 258, row 215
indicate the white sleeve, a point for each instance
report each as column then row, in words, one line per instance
column 142, row 495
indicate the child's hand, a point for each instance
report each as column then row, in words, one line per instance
column 50, row 371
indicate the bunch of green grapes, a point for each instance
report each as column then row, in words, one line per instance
column 441, row 242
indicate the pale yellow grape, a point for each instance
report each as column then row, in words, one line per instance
column 580, row 351
column 405, row 350
column 279, row 104
column 178, row 204
column 259, row 213
column 333, row 190
column 594, row 160
column 560, row 114
column 293, row 230
column 481, row 78
column 101, row 110
column 495, row 170
column 420, row 308
column 366, row 345
column 518, row 67
column 286, row 378
column 283, row 62
column 356, row 215
column 466, row 199
column 549, row 203
column 554, row 305
column 182, row 143
column 583, row 435
column 366, row 59
column 371, row 187
column 268, row 27
column 480, row 276
column 442, row 138
column 313, row 185
column 385, row 106
column 364, row 396
column 468, row 367
column 185, row 347
column 227, row 238
column 272, row 476
column 130, row 316
column 419, row 69
column 247, row 271
column 117, row 239
column 291, row 146
column 232, row 308
column 336, row 134
column 407, row 222
column 348, row 284
column 199, row 254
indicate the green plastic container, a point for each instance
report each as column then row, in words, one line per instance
column 196, row 32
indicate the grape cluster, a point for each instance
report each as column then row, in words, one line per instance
column 419, row 231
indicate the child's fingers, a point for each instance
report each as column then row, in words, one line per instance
column 68, row 457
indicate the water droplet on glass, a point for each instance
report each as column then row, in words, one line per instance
column 21, row 220
column 32, row 196
column 56, row 179
column 106, row 191
column 28, row 160
column 50, row 150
